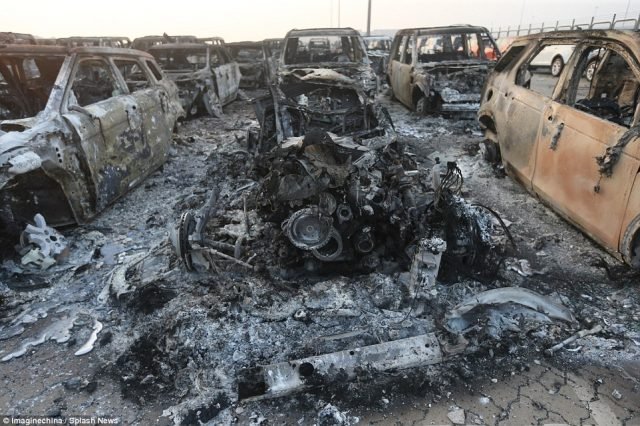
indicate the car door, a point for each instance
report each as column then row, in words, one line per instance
column 525, row 103
column 154, row 144
column 227, row 73
column 107, row 126
column 398, row 71
column 579, row 128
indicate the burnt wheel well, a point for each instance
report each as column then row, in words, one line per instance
column 487, row 121
column 32, row 193
column 416, row 94
column 630, row 245
column 634, row 251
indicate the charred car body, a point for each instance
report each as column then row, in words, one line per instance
column 272, row 48
column 146, row 42
column 329, row 189
column 16, row 38
column 207, row 77
column 441, row 69
column 378, row 48
column 120, row 42
column 78, row 128
column 251, row 59
column 573, row 140
column 322, row 89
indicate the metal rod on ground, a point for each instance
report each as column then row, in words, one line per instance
column 231, row 258
column 246, row 215
column 582, row 333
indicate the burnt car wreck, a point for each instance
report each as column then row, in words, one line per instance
column 206, row 76
column 79, row 127
column 572, row 139
column 322, row 88
column 441, row 69
column 252, row 62
column 378, row 48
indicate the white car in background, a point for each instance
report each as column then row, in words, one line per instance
column 553, row 57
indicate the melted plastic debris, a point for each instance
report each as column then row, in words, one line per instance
column 58, row 330
column 88, row 345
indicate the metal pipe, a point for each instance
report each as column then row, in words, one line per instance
column 369, row 19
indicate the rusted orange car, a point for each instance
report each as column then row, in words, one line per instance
column 572, row 140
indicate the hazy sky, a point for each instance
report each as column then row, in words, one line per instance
column 237, row 20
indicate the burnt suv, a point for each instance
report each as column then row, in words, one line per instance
column 323, row 83
column 441, row 69
column 79, row 127
column 250, row 57
column 573, row 139
column 206, row 75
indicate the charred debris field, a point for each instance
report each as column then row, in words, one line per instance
column 442, row 293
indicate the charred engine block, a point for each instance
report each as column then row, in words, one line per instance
column 327, row 205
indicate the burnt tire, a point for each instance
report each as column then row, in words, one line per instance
column 634, row 260
column 185, row 228
column 490, row 151
column 391, row 95
column 422, row 105
column 557, row 65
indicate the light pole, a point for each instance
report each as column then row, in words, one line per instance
column 369, row 19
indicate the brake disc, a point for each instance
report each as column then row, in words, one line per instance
column 308, row 229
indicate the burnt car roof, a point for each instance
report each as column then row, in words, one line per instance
column 173, row 46
column 581, row 35
column 161, row 37
column 446, row 29
column 64, row 50
column 16, row 38
column 93, row 38
column 256, row 44
column 322, row 31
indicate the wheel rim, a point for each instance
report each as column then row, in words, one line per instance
column 590, row 70
column 556, row 67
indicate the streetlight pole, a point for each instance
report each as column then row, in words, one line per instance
column 369, row 20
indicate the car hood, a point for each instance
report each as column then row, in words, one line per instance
column 454, row 66
column 180, row 76
column 358, row 77
column 377, row 53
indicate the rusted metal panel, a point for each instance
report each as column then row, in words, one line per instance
column 251, row 59
column 441, row 69
column 206, row 76
column 583, row 157
column 283, row 378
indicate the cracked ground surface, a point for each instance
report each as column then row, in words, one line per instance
column 509, row 382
